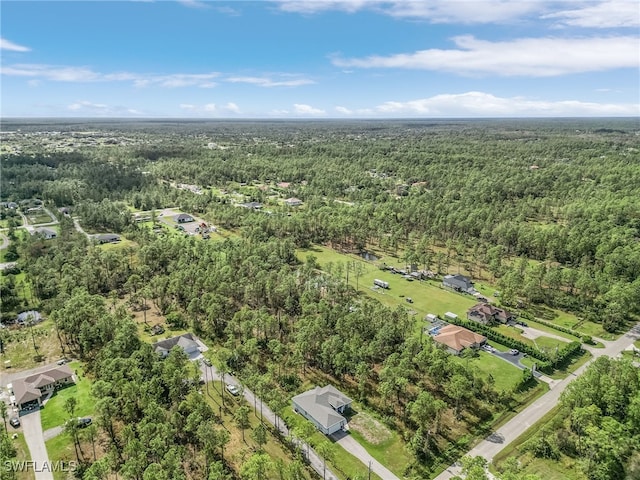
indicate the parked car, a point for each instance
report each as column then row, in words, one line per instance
column 84, row 422
column 14, row 422
column 206, row 361
column 513, row 351
column 487, row 348
column 233, row 389
column 409, row 300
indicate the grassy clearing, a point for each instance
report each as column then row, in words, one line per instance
column 41, row 217
column 505, row 375
column 569, row 320
column 123, row 243
column 383, row 444
column 19, row 347
column 428, row 296
column 60, row 448
column 53, row 414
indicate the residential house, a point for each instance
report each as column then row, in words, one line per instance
column 107, row 238
column 186, row 341
column 45, row 233
column 29, row 391
column 488, row 314
column 183, row 218
column 458, row 282
column 293, row 202
column 30, row 317
column 252, row 205
column 456, row 339
column 323, row 407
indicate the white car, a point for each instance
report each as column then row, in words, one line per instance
column 233, row 389
column 487, row 348
column 513, row 351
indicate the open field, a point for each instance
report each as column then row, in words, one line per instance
column 505, row 375
column 383, row 444
column 427, row 296
column 19, row 348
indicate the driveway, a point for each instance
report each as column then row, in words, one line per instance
column 533, row 333
column 32, row 428
column 350, row 444
column 494, row 443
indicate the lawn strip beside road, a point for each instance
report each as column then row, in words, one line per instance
column 502, row 437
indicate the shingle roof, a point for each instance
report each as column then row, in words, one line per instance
column 458, row 338
column 26, row 389
column 320, row 404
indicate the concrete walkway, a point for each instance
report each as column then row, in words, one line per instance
column 352, row 446
column 32, row 428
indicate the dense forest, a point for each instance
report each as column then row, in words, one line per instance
column 548, row 212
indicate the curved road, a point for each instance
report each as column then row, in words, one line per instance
column 511, row 430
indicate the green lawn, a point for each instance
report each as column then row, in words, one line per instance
column 22, row 454
column 505, row 375
column 428, row 296
column 382, row 443
column 569, row 320
column 544, row 328
column 53, row 414
column 60, row 448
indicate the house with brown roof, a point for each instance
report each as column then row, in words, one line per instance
column 29, row 391
column 456, row 339
column 488, row 314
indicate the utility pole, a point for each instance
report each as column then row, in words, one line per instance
column 369, row 469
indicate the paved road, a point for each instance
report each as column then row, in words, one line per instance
column 32, row 428
column 7, row 265
column 533, row 333
column 77, row 226
column 354, row 448
column 506, row 434
column 52, row 433
column 315, row 460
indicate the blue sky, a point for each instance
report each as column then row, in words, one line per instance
column 320, row 59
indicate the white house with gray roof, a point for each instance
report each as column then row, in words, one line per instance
column 323, row 407
column 186, row 342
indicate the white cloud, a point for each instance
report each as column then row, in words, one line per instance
column 343, row 110
column 435, row 11
column 536, row 57
column 12, row 47
column 231, row 107
column 316, row 6
column 268, row 82
column 481, row 104
column 467, row 12
column 302, row 109
column 84, row 108
column 48, row 72
column 85, row 74
column 605, row 14
column 210, row 109
column 193, row 4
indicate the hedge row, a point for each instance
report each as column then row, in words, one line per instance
column 546, row 364
column 560, row 328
